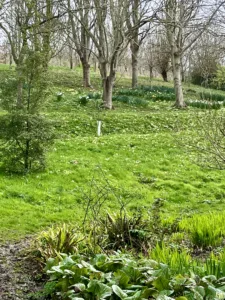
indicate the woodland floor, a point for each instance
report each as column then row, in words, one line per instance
column 138, row 153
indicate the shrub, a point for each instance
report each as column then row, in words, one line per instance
column 124, row 231
column 26, row 137
column 8, row 89
column 127, row 231
column 219, row 80
column 24, row 132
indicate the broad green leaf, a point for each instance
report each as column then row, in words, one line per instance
column 133, row 273
column 122, row 278
column 200, row 290
column 211, row 291
column 136, row 287
column 68, row 272
column 111, row 266
column 99, row 260
column 89, row 266
column 179, row 280
column 120, row 293
column 149, row 292
column 209, row 278
column 136, row 296
column 79, row 287
column 56, row 269
column 161, row 283
column 164, row 298
column 100, row 290
column 50, row 263
column 166, row 292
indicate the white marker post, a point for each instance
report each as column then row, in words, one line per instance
column 99, row 124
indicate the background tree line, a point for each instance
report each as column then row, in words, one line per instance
column 182, row 37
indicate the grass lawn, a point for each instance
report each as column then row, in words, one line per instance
column 137, row 154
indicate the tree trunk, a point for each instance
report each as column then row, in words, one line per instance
column 71, row 62
column 95, row 66
column 107, row 91
column 134, row 49
column 183, row 75
column 26, row 156
column 134, row 71
column 151, row 72
column 10, row 60
column 20, row 82
column 86, row 73
column 176, row 63
column 164, row 75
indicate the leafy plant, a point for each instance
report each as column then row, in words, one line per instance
column 147, row 93
column 214, row 97
column 56, row 240
column 131, row 100
column 95, row 95
column 203, row 104
column 83, row 100
column 122, row 276
column 219, row 80
column 124, row 231
column 155, row 216
column 177, row 237
column 204, row 230
column 178, row 261
column 59, row 96
column 215, row 265
column 48, row 290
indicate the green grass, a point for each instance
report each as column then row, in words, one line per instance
column 137, row 143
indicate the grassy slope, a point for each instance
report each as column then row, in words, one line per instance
column 137, row 153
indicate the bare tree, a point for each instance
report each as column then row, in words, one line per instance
column 110, row 36
column 109, row 39
column 28, row 24
column 137, row 11
column 185, row 21
column 155, row 51
column 205, row 59
column 80, row 22
column 162, row 57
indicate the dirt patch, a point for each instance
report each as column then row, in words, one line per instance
column 18, row 273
